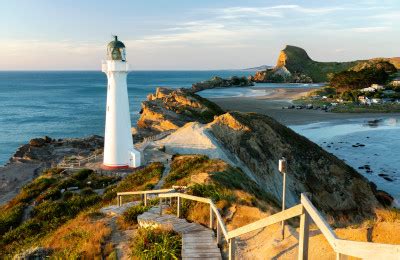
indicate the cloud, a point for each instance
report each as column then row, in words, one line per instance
column 371, row 29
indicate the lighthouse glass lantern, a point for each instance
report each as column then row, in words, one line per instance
column 118, row 145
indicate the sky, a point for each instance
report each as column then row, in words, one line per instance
column 190, row 34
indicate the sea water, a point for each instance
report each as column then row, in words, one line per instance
column 371, row 146
column 72, row 103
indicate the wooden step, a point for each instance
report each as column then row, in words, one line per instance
column 198, row 242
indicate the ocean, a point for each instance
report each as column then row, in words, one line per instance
column 72, row 103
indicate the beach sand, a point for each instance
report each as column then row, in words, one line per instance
column 271, row 104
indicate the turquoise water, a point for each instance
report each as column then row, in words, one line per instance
column 72, row 104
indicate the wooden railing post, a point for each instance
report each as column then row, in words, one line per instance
column 119, row 201
column 231, row 249
column 160, row 206
column 211, row 217
column 178, row 207
column 340, row 256
column 145, row 199
column 218, row 234
column 304, row 236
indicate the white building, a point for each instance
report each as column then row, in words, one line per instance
column 395, row 82
column 118, row 144
column 373, row 88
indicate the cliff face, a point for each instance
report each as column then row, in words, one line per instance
column 260, row 141
column 170, row 109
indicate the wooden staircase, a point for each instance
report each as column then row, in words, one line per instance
column 198, row 242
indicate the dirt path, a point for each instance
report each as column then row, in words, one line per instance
column 167, row 168
column 14, row 176
column 119, row 238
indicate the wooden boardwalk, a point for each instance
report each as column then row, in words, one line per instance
column 198, row 242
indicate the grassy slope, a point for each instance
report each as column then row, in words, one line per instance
column 63, row 221
column 299, row 61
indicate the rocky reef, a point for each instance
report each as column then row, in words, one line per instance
column 48, row 150
column 260, row 141
column 217, row 82
column 170, row 109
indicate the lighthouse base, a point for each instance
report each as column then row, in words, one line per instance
column 115, row 167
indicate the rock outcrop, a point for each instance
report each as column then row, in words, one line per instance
column 217, row 82
column 170, row 109
column 50, row 150
column 260, row 141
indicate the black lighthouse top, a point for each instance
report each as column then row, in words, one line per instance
column 116, row 50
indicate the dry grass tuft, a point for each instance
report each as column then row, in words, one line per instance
column 82, row 237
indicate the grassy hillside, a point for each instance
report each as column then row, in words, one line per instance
column 296, row 59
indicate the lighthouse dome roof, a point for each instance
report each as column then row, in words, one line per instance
column 116, row 50
column 116, row 43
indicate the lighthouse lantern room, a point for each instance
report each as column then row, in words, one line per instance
column 118, row 145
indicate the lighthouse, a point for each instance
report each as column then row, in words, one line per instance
column 118, row 145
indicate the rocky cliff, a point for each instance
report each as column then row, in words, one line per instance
column 260, row 141
column 170, row 109
column 217, row 82
column 302, row 68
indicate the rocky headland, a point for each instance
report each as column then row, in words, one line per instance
column 257, row 142
column 169, row 109
column 294, row 65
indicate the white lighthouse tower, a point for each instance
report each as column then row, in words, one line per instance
column 118, row 145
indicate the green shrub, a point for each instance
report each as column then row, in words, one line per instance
column 139, row 180
column 183, row 168
column 27, row 229
column 35, row 188
column 211, row 191
column 10, row 218
column 157, row 244
column 130, row 215
column 82, row 174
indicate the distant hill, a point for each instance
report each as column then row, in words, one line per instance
column 262, row 67
column 300, row 67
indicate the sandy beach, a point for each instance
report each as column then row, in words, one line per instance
column 271, row 104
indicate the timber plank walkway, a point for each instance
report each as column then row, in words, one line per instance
column 198, row 242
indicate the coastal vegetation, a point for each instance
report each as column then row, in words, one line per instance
column 156, row 243
column 59, row 211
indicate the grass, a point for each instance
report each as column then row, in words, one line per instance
column 156, row 244
column 10, row 218
column 143, row 179
column 374, row 108
column 130, row 215
column 81, row 238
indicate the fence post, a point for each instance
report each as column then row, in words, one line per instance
column 178, row 207
column 231, row 250
column 304, row 236
column 282, row 169
column 145, row 199
column 160, row 206
column 218, row 234
column 119, row 200
column 340, row 256
column 211, row 218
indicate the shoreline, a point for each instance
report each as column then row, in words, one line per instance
column 271, row 105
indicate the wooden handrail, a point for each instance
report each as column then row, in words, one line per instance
column 265, row 222
column 306, row 210
column 319, row 220
column 145, row 193
column 125, row 193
